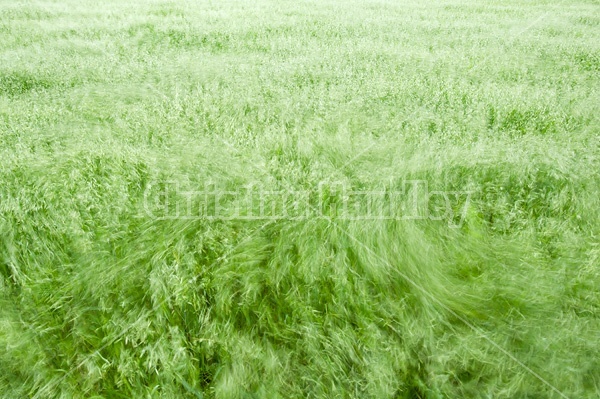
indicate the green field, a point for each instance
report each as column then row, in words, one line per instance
column 476, row 122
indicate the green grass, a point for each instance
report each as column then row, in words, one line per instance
column 104, row 104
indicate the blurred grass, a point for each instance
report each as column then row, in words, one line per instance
column 100, row 102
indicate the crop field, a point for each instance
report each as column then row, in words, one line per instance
column 300, row 199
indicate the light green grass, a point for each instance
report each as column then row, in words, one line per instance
column 102, row 102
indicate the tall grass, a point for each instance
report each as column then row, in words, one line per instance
column 102, row 106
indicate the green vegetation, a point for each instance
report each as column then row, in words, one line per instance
column 102, row 104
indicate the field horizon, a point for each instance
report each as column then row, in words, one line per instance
column 320, row 199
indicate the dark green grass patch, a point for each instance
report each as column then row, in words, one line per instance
column 519, row 121
column 16, row 84
column 588, row 61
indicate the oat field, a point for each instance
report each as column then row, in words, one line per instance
column 300, row 199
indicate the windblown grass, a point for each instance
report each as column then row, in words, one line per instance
column 103, row 104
